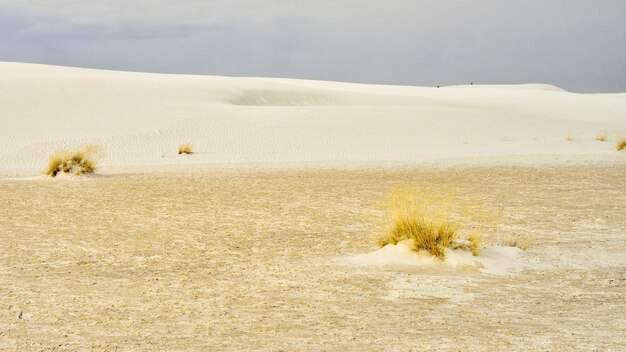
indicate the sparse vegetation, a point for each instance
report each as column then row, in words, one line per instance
column 602, row 136
column 184, row 149
column 517, row 243
column 422, row 221
column 621, row 144
column 79, row 162
column 475, row 244
column 424, row 234
column 569, row 138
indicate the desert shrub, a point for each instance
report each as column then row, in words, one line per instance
column 184, row 149
column 425, row 235
column 422, row 221
column 602, row 136
column 621, row 144
column 569, row 138
column 78, row 162
column 54, row 165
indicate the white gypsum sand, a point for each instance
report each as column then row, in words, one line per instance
column 497, row 260
column 140, row 119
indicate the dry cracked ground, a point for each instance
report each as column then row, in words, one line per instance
column 247, row 260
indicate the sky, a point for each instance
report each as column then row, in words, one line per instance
column 578, row 45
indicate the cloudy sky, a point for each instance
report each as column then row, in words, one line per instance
column 579, row 45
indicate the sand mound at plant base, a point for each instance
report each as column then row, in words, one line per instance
column 492, row 260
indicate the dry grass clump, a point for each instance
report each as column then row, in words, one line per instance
column 621, row 144
column 602, row 136
column 475, row 244
column 78, row 162
column 184, row 149
column 569, row 138
column 424, row 235
column 423, row 221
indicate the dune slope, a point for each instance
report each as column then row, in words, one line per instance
column 140, row 119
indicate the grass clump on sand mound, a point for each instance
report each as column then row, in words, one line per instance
column 424, row 235
column 421, row 221
column 184, row 149
column 621, row 144
column 79, row 162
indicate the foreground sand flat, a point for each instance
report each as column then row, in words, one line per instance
column 247, row 260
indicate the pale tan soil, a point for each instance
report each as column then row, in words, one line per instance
column 230, row 260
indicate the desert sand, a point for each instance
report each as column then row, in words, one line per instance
column 140, row 119
column 264, row 237
column 231, row 260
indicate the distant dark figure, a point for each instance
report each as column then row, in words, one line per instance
column 437, row 86
column 471, row 83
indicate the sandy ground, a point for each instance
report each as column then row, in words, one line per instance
column 250, row 260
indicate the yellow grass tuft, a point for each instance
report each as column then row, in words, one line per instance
column 426, row 235
column 78, row 162
column 602, row 136
column 54, row 165
column 621, row 144
column 475, row 243
column 569, row 138
column 184, row 149
column 421, row 219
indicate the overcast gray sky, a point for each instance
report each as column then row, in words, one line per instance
column 579, row 45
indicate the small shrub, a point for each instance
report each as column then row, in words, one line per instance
column 184, row 149
column 569, row 138
column 602, row 136
column 415, row 218
column 79, row 162
column 425, row 235
column 621, row 144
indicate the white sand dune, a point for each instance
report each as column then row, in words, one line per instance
column 140, row 119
